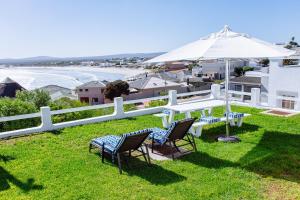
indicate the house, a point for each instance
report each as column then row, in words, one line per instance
column 58, row 92
column 245, row 84
column 91, row 92
column 284, row 86
column 175, row 66
column 215, row 69
column 9, row 88
column 279, row 84
column 152, row 86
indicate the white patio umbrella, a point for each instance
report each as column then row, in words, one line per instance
column 226, row 45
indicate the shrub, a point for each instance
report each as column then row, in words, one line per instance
column 11, row 107
column 38, row 97
column 65, row 103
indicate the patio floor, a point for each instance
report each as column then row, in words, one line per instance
column 57, row 165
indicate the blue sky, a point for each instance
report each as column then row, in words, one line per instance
column 101, row 27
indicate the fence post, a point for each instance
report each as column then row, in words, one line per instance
column 172, row 97
column 215, row 91
column 46, row 118
column 255, row 96
column 118, row 106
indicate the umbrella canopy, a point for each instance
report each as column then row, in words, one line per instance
column 224, row 44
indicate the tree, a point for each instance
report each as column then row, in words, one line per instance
column 240, row 71
column 264, row 62
column 292, row 44
column 116, row 89
column 192, row 65
column 38, row 97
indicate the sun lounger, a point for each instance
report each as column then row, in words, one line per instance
column 117, row 146
column 177, row 131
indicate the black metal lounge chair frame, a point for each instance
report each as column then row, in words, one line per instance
column 126, row 148
column 177, row 135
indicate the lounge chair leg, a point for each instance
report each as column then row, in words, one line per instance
column 126, row 160
column 144, row 154
column 90, row 147
column 152, row 146
column 176, row 146
column 147, row 152
column 194, row 143
column 112, row 158
column 102, row 154
column 119, row 163
column 170, row 143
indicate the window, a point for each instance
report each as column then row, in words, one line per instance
column 288, row 104
column 95, row 100
column 237, row 87
column 84, row 99
column 86, row 90
column 102, row 90
column 80, row 90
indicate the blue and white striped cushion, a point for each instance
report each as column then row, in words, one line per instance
column 160, row 135
column 210, row 119
column 110, row 142
column 166, row 112
column 124, row 136
column 235, row 115
column 113, row 142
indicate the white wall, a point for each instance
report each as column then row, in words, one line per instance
column 283, row 80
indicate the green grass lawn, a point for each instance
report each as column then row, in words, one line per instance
column 265, row 165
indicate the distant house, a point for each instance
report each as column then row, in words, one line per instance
column 91, row 92
column 9, row 88
column 175, row 66
column 58, row 92
column 245, row 84
column 215, row 69
column 152, row 86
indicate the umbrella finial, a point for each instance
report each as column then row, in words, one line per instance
column 226, row 28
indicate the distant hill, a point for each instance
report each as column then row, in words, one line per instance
column 44, row 59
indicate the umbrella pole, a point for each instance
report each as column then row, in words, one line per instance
column 226, row 94
column 227, row 137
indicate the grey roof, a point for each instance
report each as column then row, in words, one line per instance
column 151, row 82
column 55, row 88
column 57, row 92
column 8, row 80
column 9, row 87
column 247, row 80
column 92, row 84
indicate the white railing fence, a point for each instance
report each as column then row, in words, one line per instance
column 46, row 114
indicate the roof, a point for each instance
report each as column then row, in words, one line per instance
column 247, row 80
column 151, row 82
column 9, row 87
column 97, row 84
column 57, row 92
column 8, row 80
column 55, row 88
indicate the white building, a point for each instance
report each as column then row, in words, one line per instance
column 215, row 69
column 280, row 85
column 284, row 86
